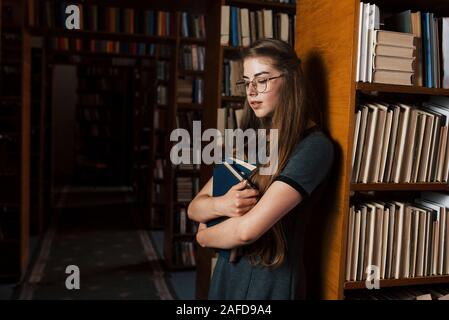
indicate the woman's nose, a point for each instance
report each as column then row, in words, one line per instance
column 251, row 90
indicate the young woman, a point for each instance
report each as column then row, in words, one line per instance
column 263, row 224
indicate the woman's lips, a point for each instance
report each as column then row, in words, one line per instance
column 255, row 104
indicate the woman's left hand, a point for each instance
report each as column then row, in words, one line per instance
column 201, row 227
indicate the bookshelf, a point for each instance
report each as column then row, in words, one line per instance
column 151, row 35
column 14, row 141
column 327, row 39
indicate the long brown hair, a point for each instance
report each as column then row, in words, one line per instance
column 290, row 117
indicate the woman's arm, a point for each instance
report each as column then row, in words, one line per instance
column 236, row 202
column 277, row 201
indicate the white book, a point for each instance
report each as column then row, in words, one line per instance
column 445, row 49
column 414, row 242
column 385, row 146
column 402, row 135
column 268, row 23
column 367, row 159
column 378, row 143
column 391, row 241
column 361, row 140
column 371, row 224
column 284, row 27
column 364, row 49
column 362, row 245
column 355, row 138
column 417, row 152
column 410, row 146
column 427, row 145
column 392, row 144
column 350, row 243
column 405, row 258
column 442, row 242
column 356, row 245
column 373, row 23
column 224, row 31
column 385, row 234
column 398, row 237
column 359, row 42
column 421, row 243
column 446, row 244
column 244, row 16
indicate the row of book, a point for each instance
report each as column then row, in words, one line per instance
column 413, row 50
column 403, row 240
column 232, row 72
column 190, row 90
column 182, row 224
column 162, row 95
column 193, row 26
column 184, row 253
column 435, row 292
column 241, row 27
column 401, row 143
column 228, row 118
column 102, row 18
column 162, row 70
column 187, row 188
column 193, row 57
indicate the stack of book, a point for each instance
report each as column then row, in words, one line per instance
column 414, row 50
column 393, row 57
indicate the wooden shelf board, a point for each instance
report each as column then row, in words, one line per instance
column 392, row 88
column 104, row 54
column 436, row 186
column 191, row 73
column 100, row 35
column 353, row 285
column 286, row 7
column 189, row 106
column 191, row 40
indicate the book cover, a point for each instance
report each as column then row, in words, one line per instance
column 225, row 176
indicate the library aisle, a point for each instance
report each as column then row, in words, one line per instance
column 115, row 256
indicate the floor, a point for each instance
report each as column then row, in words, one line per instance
column 107, row 263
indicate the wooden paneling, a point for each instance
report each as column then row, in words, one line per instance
column 325, row 41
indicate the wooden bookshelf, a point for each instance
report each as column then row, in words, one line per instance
column 391, row 88
column 356, row 285
column 327, row 39
column 15, row 116
column 399, row 187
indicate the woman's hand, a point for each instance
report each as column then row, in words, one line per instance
column 237, row 201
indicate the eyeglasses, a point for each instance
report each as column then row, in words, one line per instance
column 260, row 84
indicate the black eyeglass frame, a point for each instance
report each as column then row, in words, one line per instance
column 243, row 82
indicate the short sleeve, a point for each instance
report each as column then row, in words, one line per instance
column 309, row 164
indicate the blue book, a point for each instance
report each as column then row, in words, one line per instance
column 225, row 176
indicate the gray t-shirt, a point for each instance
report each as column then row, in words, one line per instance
column 307, row 168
